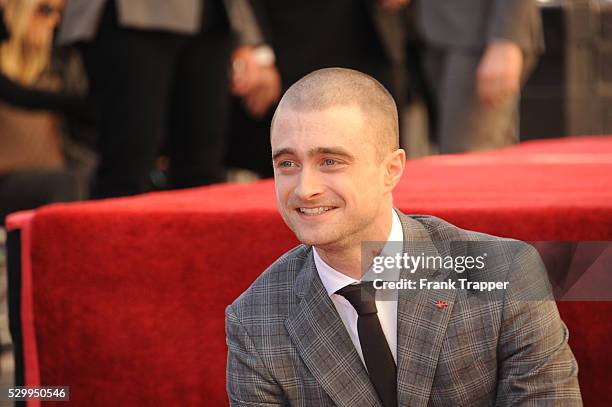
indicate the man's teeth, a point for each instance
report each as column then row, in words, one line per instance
column 315, row 211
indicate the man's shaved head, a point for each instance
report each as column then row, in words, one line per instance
column 333, row 87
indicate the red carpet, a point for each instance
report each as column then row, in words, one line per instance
column 128, row 294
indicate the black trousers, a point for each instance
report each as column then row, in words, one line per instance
column 154, row 89
column 29, row 189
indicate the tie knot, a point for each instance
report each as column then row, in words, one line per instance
column 362, row 297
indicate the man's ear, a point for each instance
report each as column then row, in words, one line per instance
column 394, row 168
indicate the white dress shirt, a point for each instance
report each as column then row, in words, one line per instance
column 333, row 280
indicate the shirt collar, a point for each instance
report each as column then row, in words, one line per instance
column 334, row 280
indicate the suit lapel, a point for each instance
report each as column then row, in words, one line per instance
column 321, row 339
column 421, row 325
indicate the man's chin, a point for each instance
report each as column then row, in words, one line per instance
column 315, row 240
column 317, row 234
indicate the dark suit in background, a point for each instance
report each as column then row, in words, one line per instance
column 156, row 68
column 309, row 35
column 455, row 35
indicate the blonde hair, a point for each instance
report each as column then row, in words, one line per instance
column 20, row 60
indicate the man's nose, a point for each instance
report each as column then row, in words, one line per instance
column 309, row 184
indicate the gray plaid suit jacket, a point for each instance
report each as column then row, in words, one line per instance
column 288, row 346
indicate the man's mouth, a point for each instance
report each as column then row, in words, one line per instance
column 315, row 211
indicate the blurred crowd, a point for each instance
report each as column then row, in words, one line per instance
column 107, row 98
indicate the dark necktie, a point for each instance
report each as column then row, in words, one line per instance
column 376, row 353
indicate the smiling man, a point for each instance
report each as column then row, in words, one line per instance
column 311, row 331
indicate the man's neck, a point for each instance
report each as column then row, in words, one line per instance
column 347, row 259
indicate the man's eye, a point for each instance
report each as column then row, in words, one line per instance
column 330, row 161
column 286, row 164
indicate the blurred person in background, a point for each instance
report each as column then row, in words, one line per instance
column 35, row 164
column 300, row 37
column 39, row 163
column 158, row 72
column 477, row 55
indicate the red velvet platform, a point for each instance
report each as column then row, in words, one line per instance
column 123, row 300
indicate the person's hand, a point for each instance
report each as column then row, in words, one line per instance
column 258, row 84
column 264, row 93
column 244, row 70
column 393, row 5
column 498, row 76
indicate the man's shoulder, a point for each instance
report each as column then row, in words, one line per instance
column 440, row 230
column 505, row 258
column 272, row 291
column 452, row 240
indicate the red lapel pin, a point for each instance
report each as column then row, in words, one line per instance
column 441, row 304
